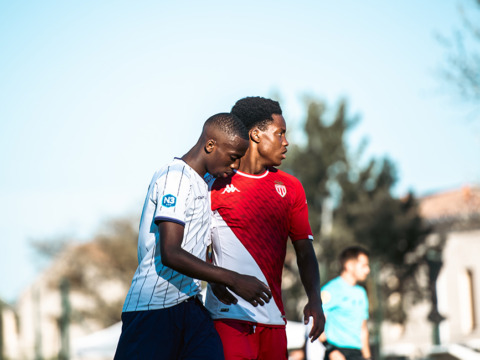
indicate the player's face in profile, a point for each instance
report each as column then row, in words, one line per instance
column 273, row 143
column 362, row 267
column 226, row 156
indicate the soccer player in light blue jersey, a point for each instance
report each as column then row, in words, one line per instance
column 346, row 308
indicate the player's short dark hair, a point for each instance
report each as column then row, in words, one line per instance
column 228, row 123
column 352, row 253
column 256, row 111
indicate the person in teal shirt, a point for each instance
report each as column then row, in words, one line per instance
column 345, row 304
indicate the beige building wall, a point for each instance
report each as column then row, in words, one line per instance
column 10, row 333
column 413, row 339
column 458, row 287
column 39, row 310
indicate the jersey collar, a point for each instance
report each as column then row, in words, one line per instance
column 251, row 175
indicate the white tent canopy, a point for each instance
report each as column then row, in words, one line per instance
column 99, row 345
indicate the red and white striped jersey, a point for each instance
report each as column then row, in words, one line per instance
column 253, row 216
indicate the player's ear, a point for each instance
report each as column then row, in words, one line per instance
column 210, row 145
column 349, row 265
column 255, row 135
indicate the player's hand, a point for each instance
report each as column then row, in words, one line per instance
column 314, row 309
column 222, row 294
column 251, row 289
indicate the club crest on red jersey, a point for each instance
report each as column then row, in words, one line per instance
column 281, row 189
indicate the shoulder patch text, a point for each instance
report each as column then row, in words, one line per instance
column 169, row 200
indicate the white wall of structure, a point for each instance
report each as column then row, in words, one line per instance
column 458, row 287
column 414, row 338
column 458, row 293
column 39, row 310
column 10, row 333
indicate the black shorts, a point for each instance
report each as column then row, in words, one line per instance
column 184, row 331
column 349, row 353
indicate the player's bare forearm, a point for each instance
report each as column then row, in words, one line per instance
column 308, row 268
column 365, row 341
column 310, row 277
column 173, row 256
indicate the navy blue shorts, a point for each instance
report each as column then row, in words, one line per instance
column 184, row 331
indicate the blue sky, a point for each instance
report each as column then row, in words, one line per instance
column 95, row 96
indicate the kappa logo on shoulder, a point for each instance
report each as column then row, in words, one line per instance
column 230, row 188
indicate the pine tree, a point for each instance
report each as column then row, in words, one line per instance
column 352, row 203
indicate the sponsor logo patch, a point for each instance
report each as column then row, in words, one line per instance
column 169, row 200
column 224, row 310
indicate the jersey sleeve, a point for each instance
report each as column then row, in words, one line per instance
column 299, row 225
column 172, row 196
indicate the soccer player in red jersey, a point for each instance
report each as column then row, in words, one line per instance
column 255, row 211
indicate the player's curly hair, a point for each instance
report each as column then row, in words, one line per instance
column 256, row 111
column 229, row 124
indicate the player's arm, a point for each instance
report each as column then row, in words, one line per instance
column 175, row 257
column 365, row 341
column 310, row 277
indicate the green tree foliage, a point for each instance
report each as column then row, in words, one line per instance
column 351, row 203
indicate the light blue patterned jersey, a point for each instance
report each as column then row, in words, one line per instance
column 346, row 307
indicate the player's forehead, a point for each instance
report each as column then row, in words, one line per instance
column 234, row 145
column 362, row 258
column 278, row 123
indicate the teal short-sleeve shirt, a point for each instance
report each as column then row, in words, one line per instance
column 346, row 307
